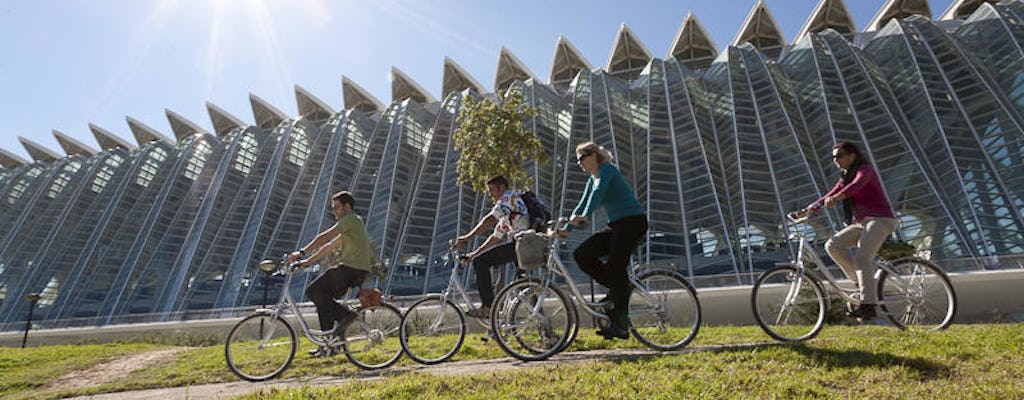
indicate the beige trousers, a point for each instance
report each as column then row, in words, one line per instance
column 867, row 236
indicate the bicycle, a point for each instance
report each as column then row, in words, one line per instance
column 534, row 319
column 790, row 302
column 434, row 328
column 262, row 345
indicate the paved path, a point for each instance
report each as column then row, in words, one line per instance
column 469, row 367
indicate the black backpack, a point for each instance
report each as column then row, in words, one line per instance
column 539, row 212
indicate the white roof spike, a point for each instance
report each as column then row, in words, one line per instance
column 310, row 106
column 456, row 78
column 403, row 87
column 566, row 63
column 38, row 152
column 223, row 122
column 108, row 139
column 963, row 8
column 510, row 69
column 828, row 14
column 692, row 45
column 10, row 160
column 181, row 126
column 143, row 133
column 898, row 9
column 628, row 53
column 72, row 146
column 761, row 30
column 358, row 98
column 266, row 115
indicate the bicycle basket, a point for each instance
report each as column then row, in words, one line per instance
column 369, row 297
column 531, row 249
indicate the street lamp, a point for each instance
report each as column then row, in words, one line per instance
column 32, row 298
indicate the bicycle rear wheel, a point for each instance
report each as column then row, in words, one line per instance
column 918, row 296
column 788, row 304
column 260, row 347
column 432, row 330
column 533, row 320
column 371, row 341
column 664, row 312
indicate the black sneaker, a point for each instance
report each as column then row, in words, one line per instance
column 863, row 312
column 613, row 331
column 343, row 323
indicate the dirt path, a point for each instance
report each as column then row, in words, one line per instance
column 469, row 367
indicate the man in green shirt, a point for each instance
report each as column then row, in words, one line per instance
column 349, row 253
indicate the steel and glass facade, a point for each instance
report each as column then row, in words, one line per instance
column 717, row 146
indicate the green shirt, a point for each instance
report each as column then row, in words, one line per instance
column 356, row 250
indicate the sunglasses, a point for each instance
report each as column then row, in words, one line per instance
column 582, row 156
column 837, row 155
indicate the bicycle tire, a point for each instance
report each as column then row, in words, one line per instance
column 788, row 304
column 372, row 340
column 526, row 325
column 260, row 347
column 664, row 310
column 921, row 299
column 432, row 331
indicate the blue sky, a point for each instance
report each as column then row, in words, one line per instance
column 65, row 64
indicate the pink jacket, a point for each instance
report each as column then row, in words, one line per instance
column 866, row 191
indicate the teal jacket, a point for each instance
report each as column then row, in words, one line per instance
column 611, row 191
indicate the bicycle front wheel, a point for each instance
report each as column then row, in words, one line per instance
column 916, row 296
column 532, row 320
column 789, row 304
column 260, row 347
column 664, row 312
column 432, row 330
column 371, row 341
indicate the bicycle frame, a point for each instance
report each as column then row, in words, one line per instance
column 287, row 303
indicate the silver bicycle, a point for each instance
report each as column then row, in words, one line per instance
column 790, row 303
column 533, row 318
column 434, row 328
column 262, row 345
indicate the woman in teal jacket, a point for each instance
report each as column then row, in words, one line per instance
column 627, row 224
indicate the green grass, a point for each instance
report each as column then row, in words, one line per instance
column 966, row 361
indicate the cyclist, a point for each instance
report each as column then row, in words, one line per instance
column 869, row 220
column 508, row 217
column 627, row 224
column 347, row 246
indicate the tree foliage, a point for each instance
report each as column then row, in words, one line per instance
column 493, row 139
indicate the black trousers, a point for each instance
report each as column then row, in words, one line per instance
column 617, row 241
column 330, row 286
column 496, row 256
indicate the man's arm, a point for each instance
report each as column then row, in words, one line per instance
column 485, row 223
column 321, row 239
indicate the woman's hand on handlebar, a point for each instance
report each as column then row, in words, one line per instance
column 578, row 220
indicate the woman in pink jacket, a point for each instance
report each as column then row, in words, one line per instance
column 869, row 220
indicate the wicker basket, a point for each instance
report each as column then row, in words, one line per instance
column 531, row 249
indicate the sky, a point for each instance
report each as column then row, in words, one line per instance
column 67, row 63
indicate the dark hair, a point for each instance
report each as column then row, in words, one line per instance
column 850, row 148
column 345, row 197
column 498, row 181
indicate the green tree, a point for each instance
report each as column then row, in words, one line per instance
column 493, row 139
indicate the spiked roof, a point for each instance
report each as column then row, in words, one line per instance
column 628, row 55
column 358, row 98
column 898, row 9
column 310, row 106
column 108, row 139
column 403, row 87
column 38, row 152
column 222, row 121
column 761, row 30
column 10, row 160
column 143, row 133
column 567, row 62
column 181, row 126
column 510, row 69
column 693, row 46
column 963, row 8
column 265, row 115
column 828, row 14
column 72, row 146
column 457, row 79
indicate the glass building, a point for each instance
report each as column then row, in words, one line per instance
column 717, row 144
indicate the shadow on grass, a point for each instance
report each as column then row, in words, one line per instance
column 927, row 369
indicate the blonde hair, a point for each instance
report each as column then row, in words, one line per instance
column 603, row 155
